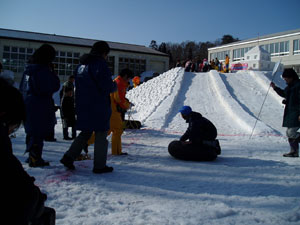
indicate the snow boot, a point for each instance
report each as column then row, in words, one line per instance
column 37, row 162
column 35, row 157
column 294, row 148
column 67, row 161
column 106, row 169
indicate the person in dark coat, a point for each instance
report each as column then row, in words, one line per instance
column 22, row 201
column 39, row 83
column 199, row 142
column 68, row 113
column 291, row 116
column 93, row 81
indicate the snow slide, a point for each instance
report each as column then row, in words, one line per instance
column 231, row 101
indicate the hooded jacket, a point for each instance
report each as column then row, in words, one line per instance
column 93, row 81
column 38, row 85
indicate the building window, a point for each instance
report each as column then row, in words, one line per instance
column 220, row 55
column 15, row 58
column 138, row 66
column 66, row 62
column 239, row 54
column 278, row 49
column 111, row 64
column 296, row 48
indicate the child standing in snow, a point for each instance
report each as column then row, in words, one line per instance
column 119, row 105
column 68, row 113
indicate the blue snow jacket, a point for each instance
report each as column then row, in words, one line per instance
column 38, row 84
column 93, row 82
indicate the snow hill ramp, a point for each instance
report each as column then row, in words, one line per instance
column 231, row 101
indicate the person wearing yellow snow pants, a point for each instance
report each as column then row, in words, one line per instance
column 119, row 104
column 116, row 128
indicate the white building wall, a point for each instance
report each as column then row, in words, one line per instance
column 289, row 59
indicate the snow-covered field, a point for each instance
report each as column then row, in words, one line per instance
column 249, row 183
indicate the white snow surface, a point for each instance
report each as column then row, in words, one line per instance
column 249, row 183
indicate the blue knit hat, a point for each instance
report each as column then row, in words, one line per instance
column 185, row 110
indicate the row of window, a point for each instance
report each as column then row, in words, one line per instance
column 15, row 59
column 296, row 49
column 275, row 49
column 136, row 65
column 238, row 54
column 220, row 55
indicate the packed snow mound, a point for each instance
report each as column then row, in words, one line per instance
column 149, row 96
column 231, row 101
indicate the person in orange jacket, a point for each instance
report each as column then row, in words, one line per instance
column 227, row 63
column 119, row 105
column 136, row 81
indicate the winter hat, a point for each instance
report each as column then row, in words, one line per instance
column 185, row 110
column 290, row 73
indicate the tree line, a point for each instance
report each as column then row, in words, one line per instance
column 196, row 51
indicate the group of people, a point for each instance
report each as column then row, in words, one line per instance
column 98, row 98
column 100, row 108
column 205, row 66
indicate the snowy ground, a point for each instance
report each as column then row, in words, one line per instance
column 250, row 183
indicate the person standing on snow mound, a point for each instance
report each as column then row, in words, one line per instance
column 201, row 133
column 93, row 81
column 291, row 116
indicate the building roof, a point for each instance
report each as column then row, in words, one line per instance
column 83, row 42
column 262, row 38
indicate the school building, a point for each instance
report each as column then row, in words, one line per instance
column 16, row 47
column 284, row 46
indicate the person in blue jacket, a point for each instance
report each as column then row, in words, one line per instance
column 93, row 81
column 38, row 84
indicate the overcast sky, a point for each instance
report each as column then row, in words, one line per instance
column 140, row 21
